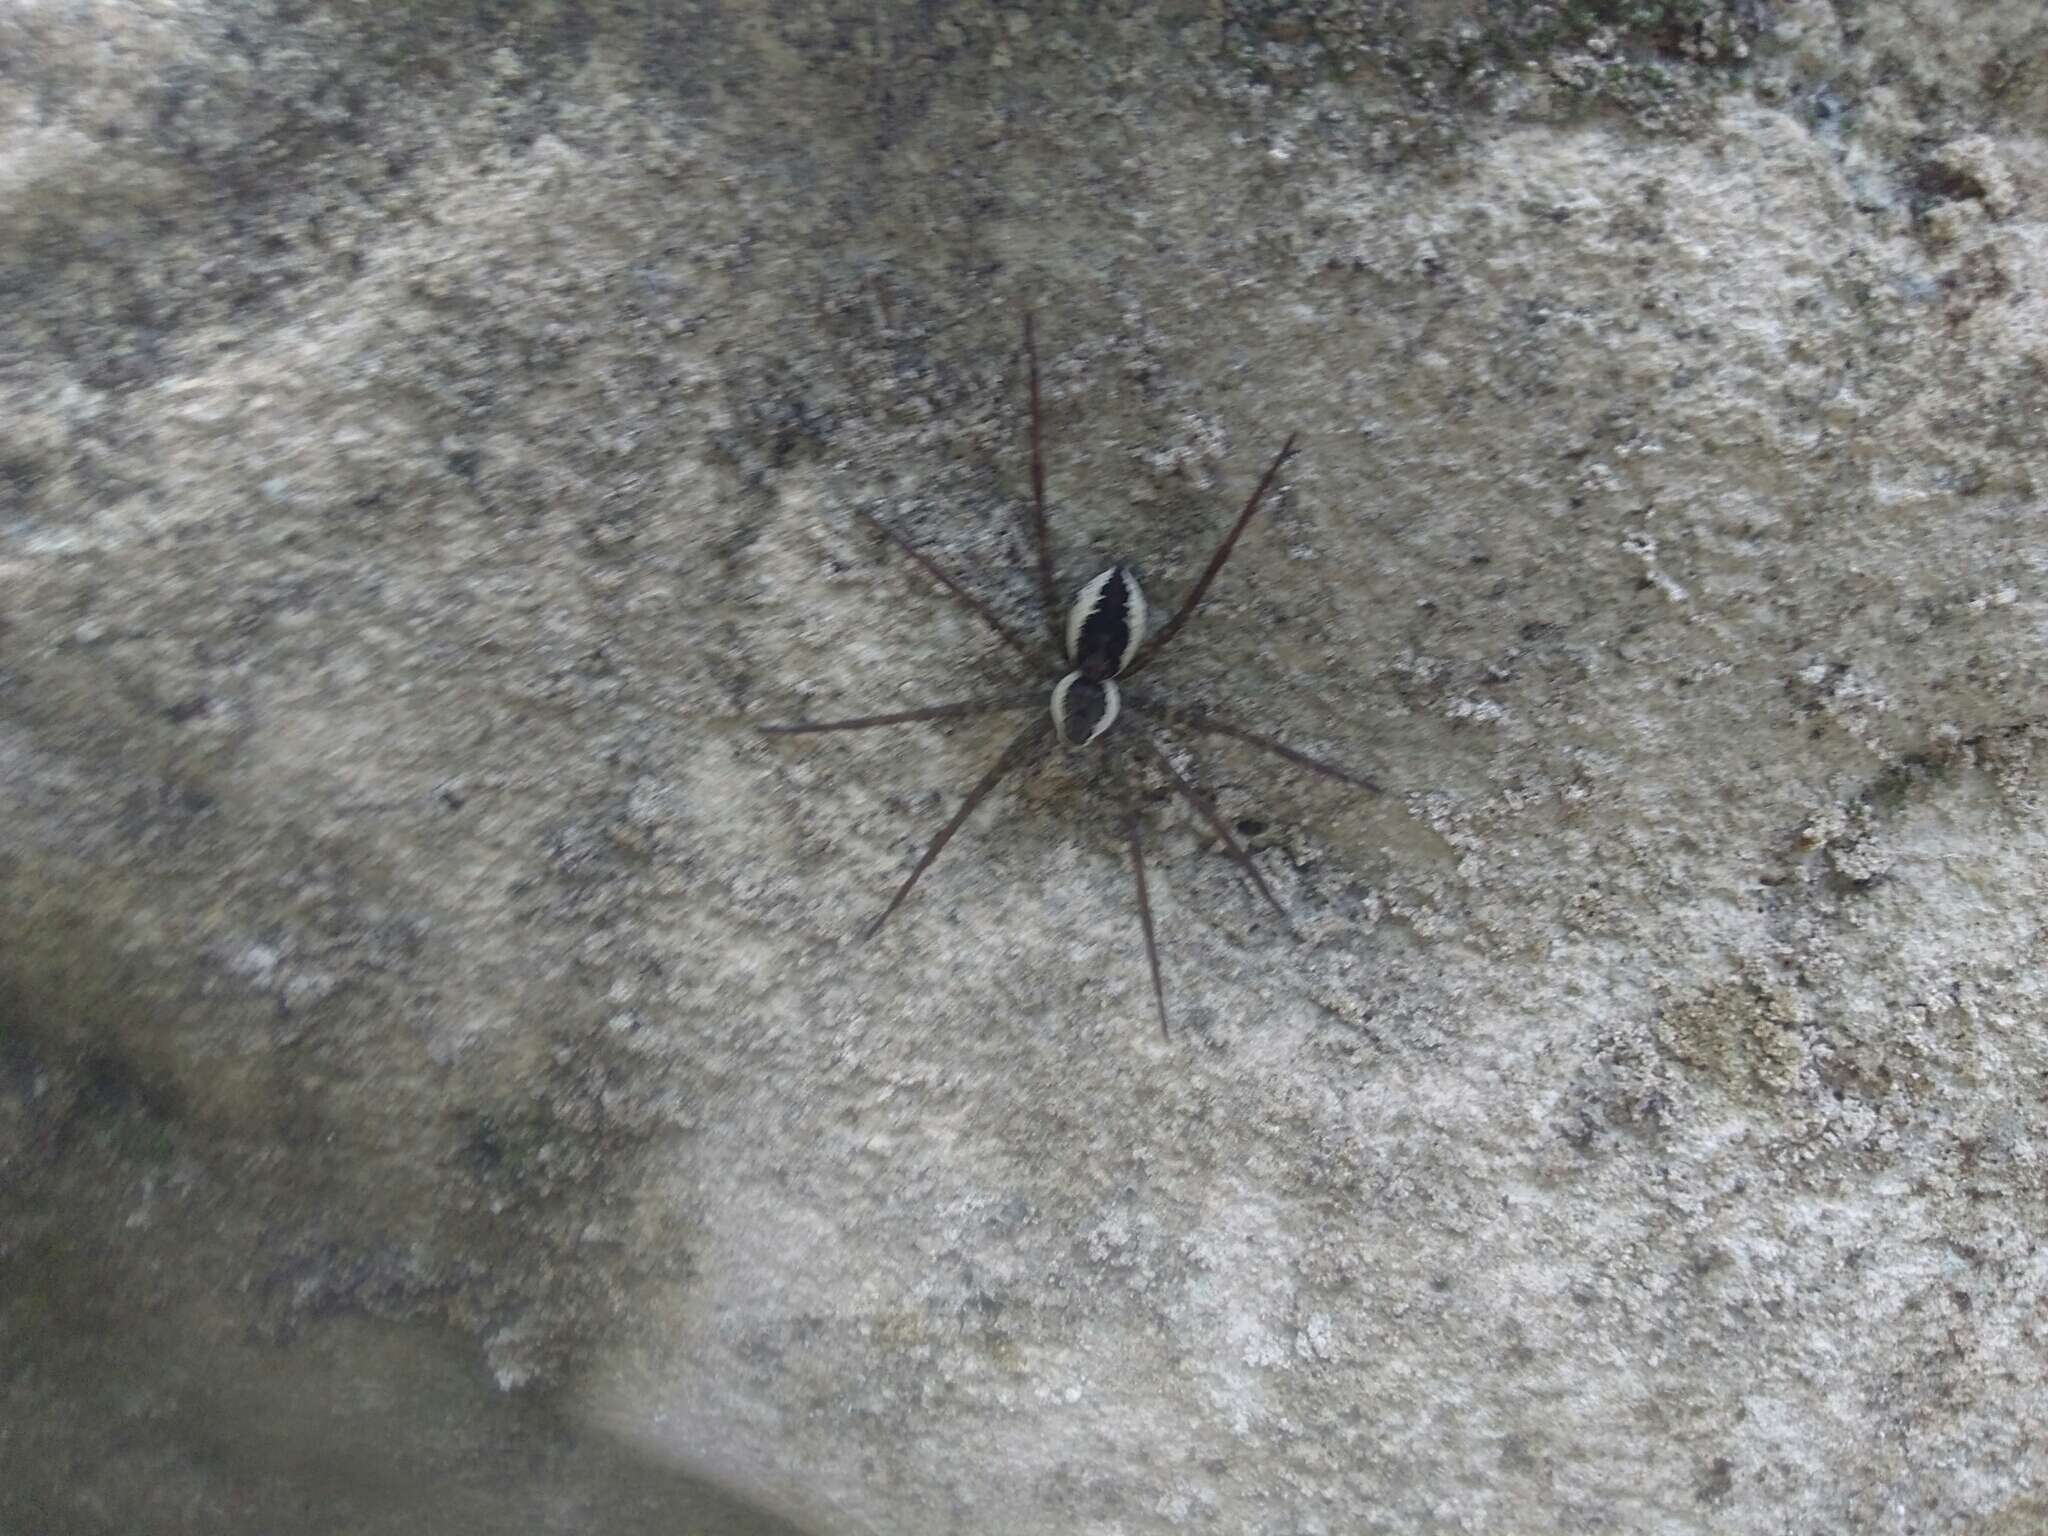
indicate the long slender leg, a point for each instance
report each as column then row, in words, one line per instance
column 1198, row 718
column 1145, row 912
column 1159, row 641
column 1041, row 532
column 1013, row 754
column 982, row 706
column 1216, row 823
column 967, row 598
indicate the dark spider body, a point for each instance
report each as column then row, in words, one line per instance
column 1104, row 628
column 1101, row 639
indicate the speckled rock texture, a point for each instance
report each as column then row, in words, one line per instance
column 443, row 1084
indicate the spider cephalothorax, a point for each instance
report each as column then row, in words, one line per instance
column 1099, row 640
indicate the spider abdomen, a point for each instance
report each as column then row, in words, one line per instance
column 1082, row 708
column 1106, row 624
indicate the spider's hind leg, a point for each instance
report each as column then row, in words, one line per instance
column 983, row 706
column 1015, row 753
column 1209, row 814
column 1132, row 820
column 1199, row 718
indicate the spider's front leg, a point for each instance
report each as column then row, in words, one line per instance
column 1033, row 657
column 1159, row 641
column 1041, row 531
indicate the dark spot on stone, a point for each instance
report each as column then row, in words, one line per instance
column 1937, row 182
column 484, row 1148
column 113, row 1088
column 1716, row 1482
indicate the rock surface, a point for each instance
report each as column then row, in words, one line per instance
column 442, row 1082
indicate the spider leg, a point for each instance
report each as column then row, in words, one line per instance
column 966, row 598
column 1144, row 902
column 981, row 706
column 1216, row 824
column 1013, row 754
column 1158, row 642
column 1200, row 719
column 1041, row 533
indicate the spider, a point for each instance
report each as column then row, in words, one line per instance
column 1099, row 642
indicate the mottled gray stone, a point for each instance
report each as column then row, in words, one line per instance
column 441, row 1084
